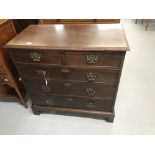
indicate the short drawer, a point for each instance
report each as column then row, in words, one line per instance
column 71, row 88
column 73, row 102
column 112, row 59
column 64, row 73
column 36, row 56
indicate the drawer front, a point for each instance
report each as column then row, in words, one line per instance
column 36, row 56
column 113, row 59
column 71, row 88
column 4, row 79
column 73, row 102
column 64, row 73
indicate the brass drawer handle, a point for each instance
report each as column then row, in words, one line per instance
column 46, row 89
column 42, row 73
column 65, row 70
column 92, row 59
column 90, row 91
column 67, row 84
column 90, row 105
column 35, row 56
column 50, row 101
column 91, row 76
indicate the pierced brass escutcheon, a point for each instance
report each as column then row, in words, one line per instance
column 67, row 84
column 90, row 105
column 91, row 76
column 50, row 101
column 65, row 70
column 46, row 89
column 35, row 56
column 90, row 91
column 69, row 99
column 92, row 59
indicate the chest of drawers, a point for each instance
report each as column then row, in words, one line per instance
column 71, row 69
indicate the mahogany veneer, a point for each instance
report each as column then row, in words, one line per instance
column 71, row 68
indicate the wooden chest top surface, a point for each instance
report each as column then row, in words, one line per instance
column 100, row 37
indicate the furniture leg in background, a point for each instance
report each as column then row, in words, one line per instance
column 10, row 86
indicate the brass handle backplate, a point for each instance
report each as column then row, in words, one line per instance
column 90, row 105
column 35, row 56
column 90, row 91
column 91, row 76
column 92, row 59
column 50, row 101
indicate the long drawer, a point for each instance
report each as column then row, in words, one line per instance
column 71, row 88
column 73, row 102
column 112, row 59
column 64, row 73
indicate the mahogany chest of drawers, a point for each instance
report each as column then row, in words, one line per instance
column 71, row 69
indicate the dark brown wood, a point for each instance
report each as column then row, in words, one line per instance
column 74, row 70
column 80, row 37
column 79, row 21
column 73, row 88
column 87, row 74
column 70, row 58
column 104, row 59
column 21, row 24
column 73, row 102
column 108, row 116
column 10, row 87
column 47, row 57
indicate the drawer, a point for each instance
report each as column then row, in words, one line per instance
column 113, row 59
column 71, row 88
column 64, row 73
column 36, row 56
column 73, row 102
column 3, row 79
